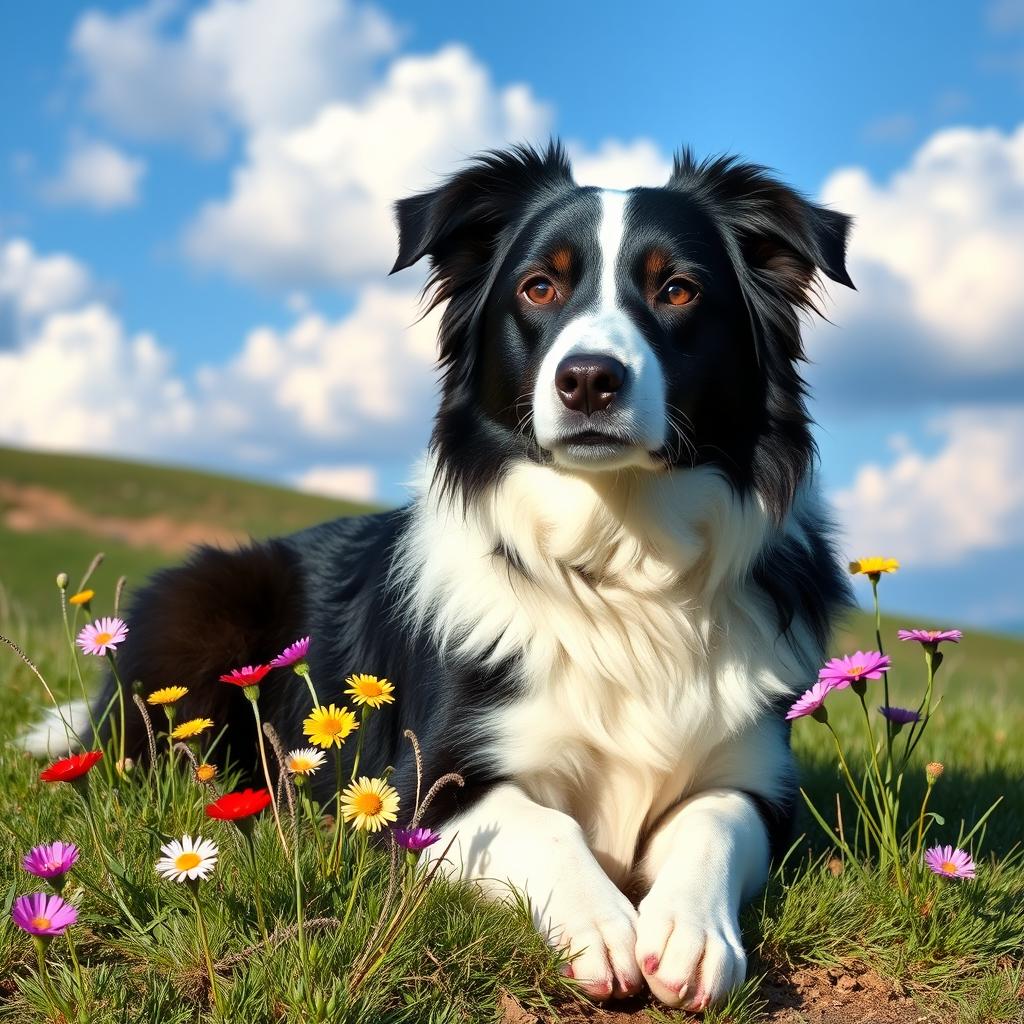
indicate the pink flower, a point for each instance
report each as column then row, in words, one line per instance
column 102, row 635
column 841, row 672
column 251, row 675
column 931, row 637
column 812, row 701
column 950, row 863
column 51, row 860
column 292, row 653
column 41, row 914
column 415, row 839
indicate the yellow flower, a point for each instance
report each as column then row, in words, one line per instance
column 873, row 567
column 193, row 727
column 328, row 727
column 168, row 695
column 370, row 690
column 82, row 597
column 304, row 761
column 206, row 772
column 369, row 804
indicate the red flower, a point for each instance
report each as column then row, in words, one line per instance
column 251, row 675
column 232, row 806
column 70, row 768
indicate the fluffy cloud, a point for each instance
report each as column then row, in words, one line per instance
column 936, row 509
column 97, row 175
column 937, row 258
column 358, row 483
column 616, row 164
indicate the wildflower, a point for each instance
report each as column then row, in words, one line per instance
column 873, row 567
column 370, row 690
column 43, row 914
column 812, row 702
column 83, row 597
column 206, row 772
column 124, row 766
column 70, row 768
column 186, row 860
column 932, row 771
column 292, row 653
column 950, row 863
column 854, row 668
column 102, row 636
column 330, row 726
column 369, row 804
column 931, row 637
column 242, row 804
column 193, row 727
column 167, row 695
column 305, row 761
column 415, row 839
column 51, row 859
column 900, row 716
column 62, row 581
column 251, row 675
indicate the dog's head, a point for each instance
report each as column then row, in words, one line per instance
column 599, row 330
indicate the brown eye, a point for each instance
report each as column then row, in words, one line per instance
column 539, row 290
column 678, row 292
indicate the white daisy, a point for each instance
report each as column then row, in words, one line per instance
column 186, row 859
column 304, row 761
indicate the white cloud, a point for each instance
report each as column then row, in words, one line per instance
column 312, row 205
column 34, row 285
column 937, row 257
column 98, row 175
column 356, row 483
column 622, row 165
column 936, row 509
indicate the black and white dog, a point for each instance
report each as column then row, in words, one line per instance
column 614, row 577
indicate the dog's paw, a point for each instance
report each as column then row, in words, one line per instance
column 689, row 957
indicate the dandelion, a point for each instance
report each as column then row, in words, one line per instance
column 167, row 695
column 330, row 726
column 192, row 728
column 369, row 804
column 186, row 860
column 873, row 567
column 949, row 862
column 234, row 806
column 51, row 860
column 931, row 637
column 305, row 761
column 83, row 597
column 370, row 690
column 69, row 769
column 899, row 716
column 292, row 654
column 812, row 702
column 102, row 636
column 43, row 914
column 206, row 773
column 854, row 668
column 415, row 839
column 251, row 675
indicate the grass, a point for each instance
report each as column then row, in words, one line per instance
column 959, row 952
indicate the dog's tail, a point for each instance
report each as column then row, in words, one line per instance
column 62, row 731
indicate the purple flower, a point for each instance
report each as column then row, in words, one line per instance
column 51, row 859
column 931, row 637
column 900, row 716
column 841, row 672
column 415, row 839
column 41, row 914
column 950, row 863
column 292, row 653
column 811, row 701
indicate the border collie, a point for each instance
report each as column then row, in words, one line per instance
column 614, row 576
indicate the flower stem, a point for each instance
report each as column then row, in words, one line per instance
column 336, row 854
column 204, row 940
column 120, row 703
column 266, row 769
column 44, row 975
column 257, row 892
column 303, row 955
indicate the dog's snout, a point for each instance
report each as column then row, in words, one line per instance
column 588, row 383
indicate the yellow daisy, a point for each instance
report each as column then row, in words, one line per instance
column 206, row 772
column 369, row 804
column 193, row 727
column 873, row 566
column 329, row 727
column 370, row 690
column 168, row 695
column 82, row 597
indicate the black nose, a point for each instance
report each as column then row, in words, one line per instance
column 587, row 383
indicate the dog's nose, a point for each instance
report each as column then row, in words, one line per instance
column 587, row 383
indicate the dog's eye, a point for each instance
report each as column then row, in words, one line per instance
column 678, row 292
column 539, row 290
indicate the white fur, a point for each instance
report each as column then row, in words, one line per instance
column 648, row 661
column 606, row 330
column 59, row 731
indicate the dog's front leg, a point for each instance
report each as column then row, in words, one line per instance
column 508, row 842
column 707, row 856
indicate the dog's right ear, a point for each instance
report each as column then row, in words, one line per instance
column 458, row 223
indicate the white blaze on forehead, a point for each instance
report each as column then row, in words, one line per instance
column 609, row 238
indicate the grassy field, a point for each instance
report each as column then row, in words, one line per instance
column 830, row 942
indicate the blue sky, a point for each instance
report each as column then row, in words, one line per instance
column 194, row 229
